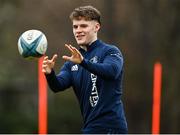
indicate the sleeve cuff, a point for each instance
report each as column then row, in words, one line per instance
column 50, row 75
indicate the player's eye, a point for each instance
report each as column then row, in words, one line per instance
column 75, row 26
column 84, row 25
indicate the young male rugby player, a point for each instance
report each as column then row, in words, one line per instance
column 95, row 72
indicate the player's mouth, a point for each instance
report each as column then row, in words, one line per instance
column 79, row 37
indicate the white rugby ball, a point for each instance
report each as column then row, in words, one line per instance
column 32, row 43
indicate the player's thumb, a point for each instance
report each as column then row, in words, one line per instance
column 54, row 57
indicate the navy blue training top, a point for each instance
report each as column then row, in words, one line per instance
column 97, row 83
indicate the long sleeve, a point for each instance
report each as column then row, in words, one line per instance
column 61, row 81
column 111, row 66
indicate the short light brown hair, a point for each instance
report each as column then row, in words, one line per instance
column 87, row 12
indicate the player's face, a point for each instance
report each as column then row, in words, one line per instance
column 85, row 32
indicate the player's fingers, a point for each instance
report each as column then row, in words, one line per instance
column 46, row 58
column 69, row 48
column 66, row 58
column 76, row 50
column 43, row 70
column 44, row 61
column 72, row 47
column 54, row 57
column 44, row 66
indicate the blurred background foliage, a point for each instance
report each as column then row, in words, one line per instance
column 146, row 31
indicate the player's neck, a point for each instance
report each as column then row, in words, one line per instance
column 92, row 41
column 84, row 47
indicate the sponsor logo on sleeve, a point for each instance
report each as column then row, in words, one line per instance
column 116, row 54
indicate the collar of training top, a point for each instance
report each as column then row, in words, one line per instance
column 91, row 46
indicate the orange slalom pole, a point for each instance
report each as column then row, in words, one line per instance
column 42, row 109
column 156, row 98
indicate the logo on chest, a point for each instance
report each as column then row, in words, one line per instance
column 94, row 59
column 74, row 68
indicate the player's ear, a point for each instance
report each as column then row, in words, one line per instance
column 97, row 27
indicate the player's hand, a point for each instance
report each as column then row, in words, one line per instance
column 76, row 56
column 48, row 65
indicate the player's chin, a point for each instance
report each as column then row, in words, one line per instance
column 80, row 42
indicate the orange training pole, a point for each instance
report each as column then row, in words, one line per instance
column 42, row 109
column 156, row 98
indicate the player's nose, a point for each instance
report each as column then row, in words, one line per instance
column 78, row 30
